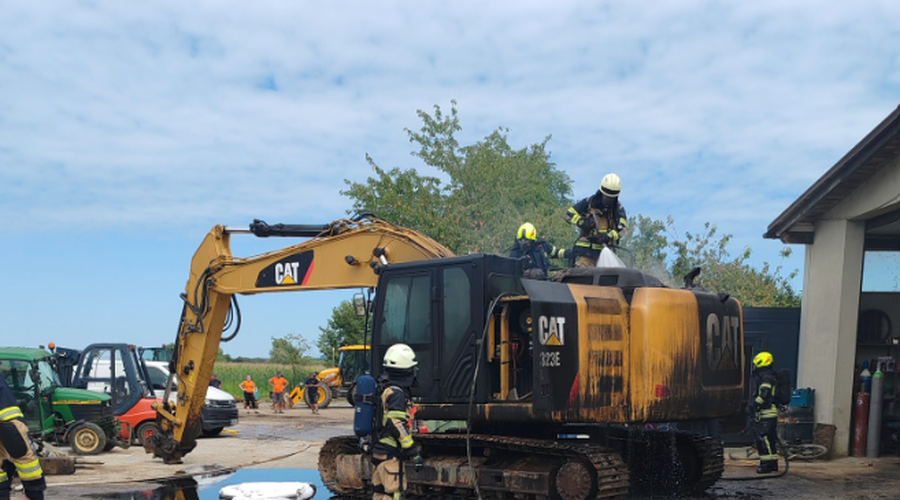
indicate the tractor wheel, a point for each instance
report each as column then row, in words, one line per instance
column 351, row 395
column 87, row 438
column 145, row 430
column 324, row 396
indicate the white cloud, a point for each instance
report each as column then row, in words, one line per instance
column 171, row 116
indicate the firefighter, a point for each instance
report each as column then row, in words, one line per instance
column 764, row 412
column 534, row 252
column 15, row 449
column 395, row 443
column 600, row 219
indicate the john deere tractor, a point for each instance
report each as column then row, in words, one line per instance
column 80, row 418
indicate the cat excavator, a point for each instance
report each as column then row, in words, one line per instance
column 578, row 387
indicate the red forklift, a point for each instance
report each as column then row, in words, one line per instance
column 117, row 370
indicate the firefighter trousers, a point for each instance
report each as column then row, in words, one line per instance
column 386, row 478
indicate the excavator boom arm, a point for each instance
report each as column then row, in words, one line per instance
column 348, row 253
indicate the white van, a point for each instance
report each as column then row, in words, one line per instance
column 219, row 411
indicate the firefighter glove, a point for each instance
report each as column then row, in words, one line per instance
column 613, row 235
column 419, row 462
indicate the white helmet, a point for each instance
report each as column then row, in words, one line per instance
column 400, row 356
column 611, row 185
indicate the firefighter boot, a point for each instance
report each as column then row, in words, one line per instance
column 767, row 466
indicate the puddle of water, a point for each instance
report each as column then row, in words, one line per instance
column 207, row 488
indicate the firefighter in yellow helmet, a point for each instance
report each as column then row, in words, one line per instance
column 16, row 453
column 601, row 221
column 395, row 443
column 764, row 412
column 534, row 252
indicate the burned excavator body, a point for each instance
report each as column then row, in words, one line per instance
column 578, row 387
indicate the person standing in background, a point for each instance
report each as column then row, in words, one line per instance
column 278, row 383
column 249, row 388
column 312, row 392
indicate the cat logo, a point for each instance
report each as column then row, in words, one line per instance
column 551, row 330
column 286, row 273
column 723, row 337
column 292, row 270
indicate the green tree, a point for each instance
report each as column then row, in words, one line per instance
column 659, row 252
column 289, row 350
column 343, row 326
column 491, row 189
column 647, row 243
column 723, row 273
column 221, row 356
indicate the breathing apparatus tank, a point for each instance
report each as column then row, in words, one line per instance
column 364, row 405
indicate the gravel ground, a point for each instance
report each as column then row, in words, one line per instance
column 292, row 441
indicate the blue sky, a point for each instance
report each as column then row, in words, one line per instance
column 127, row 130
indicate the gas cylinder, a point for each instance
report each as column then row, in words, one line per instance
column 364, row 407
column 865, row 376
column 860, row 421
column 873, row 439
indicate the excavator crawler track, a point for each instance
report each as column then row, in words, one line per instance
column 508, row 467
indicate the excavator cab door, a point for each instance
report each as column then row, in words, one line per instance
column 439, row 309
column 408, row 316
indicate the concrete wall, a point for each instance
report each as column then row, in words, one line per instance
column 831, row 284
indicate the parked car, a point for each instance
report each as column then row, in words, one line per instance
column 219, row 411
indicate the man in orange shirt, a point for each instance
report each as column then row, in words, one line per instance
column 249, row 388
column 278, row 383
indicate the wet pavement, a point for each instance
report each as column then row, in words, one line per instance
column 270, row 436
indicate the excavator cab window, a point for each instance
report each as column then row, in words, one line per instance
column 407, row 318
column 407, row 310
column 457, row 312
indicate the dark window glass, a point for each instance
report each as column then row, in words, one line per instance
column 457, row 312
column 407, row 311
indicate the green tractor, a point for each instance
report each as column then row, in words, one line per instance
column 82, row 419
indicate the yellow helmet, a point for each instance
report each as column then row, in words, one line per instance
column 611, row 185
column 762, row 359
column 527, row 231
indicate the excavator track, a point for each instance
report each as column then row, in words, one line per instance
column 634, row 460
column 521, row 467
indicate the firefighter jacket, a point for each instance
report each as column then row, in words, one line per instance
column 394, row 438
column 598, row 223
column 15, row 448
column 537, row 255
column 762, row 395
column 9, row 407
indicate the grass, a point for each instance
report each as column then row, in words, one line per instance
column 232, row 374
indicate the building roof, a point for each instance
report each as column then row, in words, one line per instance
column 877, row 149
